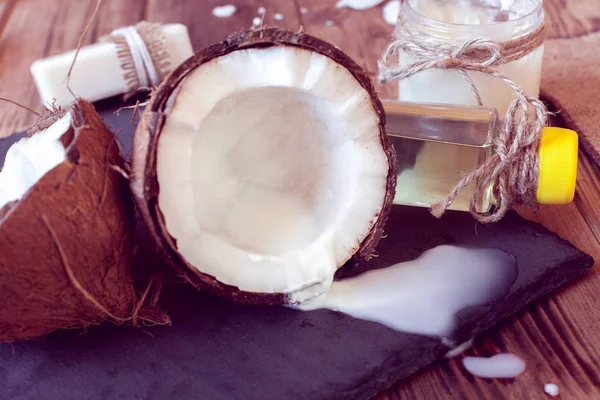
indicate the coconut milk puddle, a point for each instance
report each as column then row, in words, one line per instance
column 423, row 296
column 499, row 366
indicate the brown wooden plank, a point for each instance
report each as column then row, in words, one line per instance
column 3, row 6
column 571, row 18
column 206, row 29
column 38, row 28
column 587, row 197
column 6, row 7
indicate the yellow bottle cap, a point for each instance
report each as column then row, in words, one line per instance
column 558, row 166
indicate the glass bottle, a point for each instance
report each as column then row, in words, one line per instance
column 438, row 143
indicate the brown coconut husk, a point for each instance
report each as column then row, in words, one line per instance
column 67, row 244
column 144, row 181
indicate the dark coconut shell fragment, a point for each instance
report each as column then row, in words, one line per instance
column 144, row 158
column 66, row 245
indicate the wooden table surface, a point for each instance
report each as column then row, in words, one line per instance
column 558, row 337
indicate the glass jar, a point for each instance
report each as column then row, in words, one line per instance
column 462, row 20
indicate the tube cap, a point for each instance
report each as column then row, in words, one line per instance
column 558, row 166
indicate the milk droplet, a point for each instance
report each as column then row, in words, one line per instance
column 256, row 21
column 358, row 4
column 262, row 10
column 224, row 11
column 391, row 11
column 499, row 366
column 458, row 350
column 551, row 389
column 329, row 23
column 422, row 296
column 304, row 10
column 278, row 17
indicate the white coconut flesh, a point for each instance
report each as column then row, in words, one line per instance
column 271, row 169
column 28, row 160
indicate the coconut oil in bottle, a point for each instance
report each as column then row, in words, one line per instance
column 436, row 146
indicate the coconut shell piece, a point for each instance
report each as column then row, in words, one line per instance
column 144, row 181
column 66, row 245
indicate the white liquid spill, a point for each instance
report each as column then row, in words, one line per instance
column 358, row 4
column 28, row 160
column 303, row 10
column 256, row 21
column 224, row 11
column 499, row 366
column 278, row 17
column 262, row 10
column 458, row 350
column 391, row 11
column 329, row 23
column 422, row 296
column 551, row 389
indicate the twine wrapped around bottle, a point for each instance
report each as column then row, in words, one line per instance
column 513, row 169
column 142, row 51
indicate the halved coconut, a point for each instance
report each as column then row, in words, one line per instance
column 65, row 229
column 261, row 166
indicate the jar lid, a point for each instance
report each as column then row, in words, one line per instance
column 558, row 166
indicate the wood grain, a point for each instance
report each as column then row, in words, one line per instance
column 206, row 29
column 571, row 18
column 559, row 337
column 6, row 7
column 587, row 197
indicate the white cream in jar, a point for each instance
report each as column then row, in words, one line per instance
column 462, row 20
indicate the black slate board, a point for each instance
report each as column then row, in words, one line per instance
column 216, row 350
